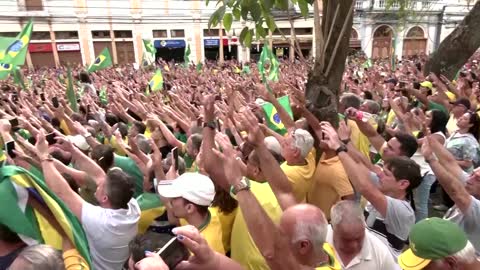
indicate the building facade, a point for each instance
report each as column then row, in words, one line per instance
column 74, row 31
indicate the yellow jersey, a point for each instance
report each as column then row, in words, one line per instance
column 244, row 250
column 227, row 223
column 333, row 263
column 211, row 231
column 300, row 176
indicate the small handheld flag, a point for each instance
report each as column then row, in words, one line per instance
column 272, row 117
column 186, row 56
column 149, row 54
column 102, row 61
column 156, row 83
column 71, row 95
column 267, row 56
column 103, row 95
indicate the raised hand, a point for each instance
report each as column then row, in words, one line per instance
column 250, row 123
column 330, row 137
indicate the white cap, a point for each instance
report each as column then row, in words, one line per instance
column 194, row 187
column 79, row 141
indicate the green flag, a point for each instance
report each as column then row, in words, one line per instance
column 186, row 56
column 5, row 70
column 18, row 78
column 149, row 54
column 156, row 83
column 16, row 186
column 368, row 63
column 13, row 51
column 151, row 207
column 199, row 67
column 272, row 117
column 71, row 95
column 267, row 56
column 102, row 61
column 103, row 95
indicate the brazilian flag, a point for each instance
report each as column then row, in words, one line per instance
column 16, row 186
column 186, row 56
column 151, row 208
column 272, row 117
column 5, row 70
column 71, row 95
column 13, row 51
column 156, row 83
column 267, row 56
column 102, row 61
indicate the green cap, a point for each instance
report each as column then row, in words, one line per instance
column 432, row 239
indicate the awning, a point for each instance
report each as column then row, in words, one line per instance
column 169, row 43
column 215, row 42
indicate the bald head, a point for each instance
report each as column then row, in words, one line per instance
column 305, row 222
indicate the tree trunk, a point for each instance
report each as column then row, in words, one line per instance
column 325, row 79
column 458, row 47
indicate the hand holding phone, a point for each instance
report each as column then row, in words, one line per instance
column 173, row 252
column 9, row 147
column 51, row 138
column 55, row 102
column 175, row 158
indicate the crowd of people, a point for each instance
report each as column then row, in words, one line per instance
column 194, row 177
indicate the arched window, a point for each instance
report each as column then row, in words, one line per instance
column 354, row 34
column 383, row 31
column 415, row 32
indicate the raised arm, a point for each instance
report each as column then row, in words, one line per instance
column 375, row 139
column 449, row 182
column 357, row 173
column 445, row 158
column 284, row 116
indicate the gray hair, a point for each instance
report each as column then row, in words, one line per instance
column 41, row 257
column 350, row 100
column 303, row 140
column 373, row 106
column 167, row 162
column 316, row 233
column 143, row 144
column 466, row 255
column 346, row 211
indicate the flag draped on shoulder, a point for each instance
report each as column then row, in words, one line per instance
column 71, row 95
column 151, row 208
column 156, row 83
column 17, row 185
column 273, row 119
column 267, row 57
column 102, row 61
column 13, row 51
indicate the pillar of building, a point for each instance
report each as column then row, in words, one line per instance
column 135, row 10
column 83, row 31
column 56, row 58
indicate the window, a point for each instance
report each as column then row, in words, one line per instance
column 303, row 31
column 122, row 33
column 160, row 33
column 9, row 34
column 66, row 34
column 426, row 4
column 43, row 35
column 278, row 32
column 177, row 33
column 213, row 32
column 33, row 5
column 101, row 34
column 359, row 4
column 381, row 3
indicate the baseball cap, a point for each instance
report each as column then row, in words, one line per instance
column 79, row 141
column 194, row 187
column 463, row 102
column 432, row 239
column 427, row 84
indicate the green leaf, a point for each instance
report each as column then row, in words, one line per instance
column 268, row 4
column 236, row 14
column 243, row 34
column 303, row 7
column 271, row 23
column 227, row 21
column 281, row 4
column 221, row 11
column 248, row 38
column 256, row 11
column 244, row 8
column 213, row 21
column 260, row 31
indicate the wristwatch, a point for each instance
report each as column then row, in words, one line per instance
column 244, row 184
column 346, row 141
column 342, row 148
column 210, row 124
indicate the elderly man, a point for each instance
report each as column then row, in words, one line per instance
column 356, row 247
column 438, row 244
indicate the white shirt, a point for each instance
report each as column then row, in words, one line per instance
column 374, row 255
column 109, row 231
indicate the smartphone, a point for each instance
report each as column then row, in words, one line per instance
column 15, row 97
column 42, row 96
column 10, row 146
column 219, row 128
column 173, row 252
column 55, row 102
column 14, row 123
column 133, row 115
column 175, row 157
column 51, row 138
